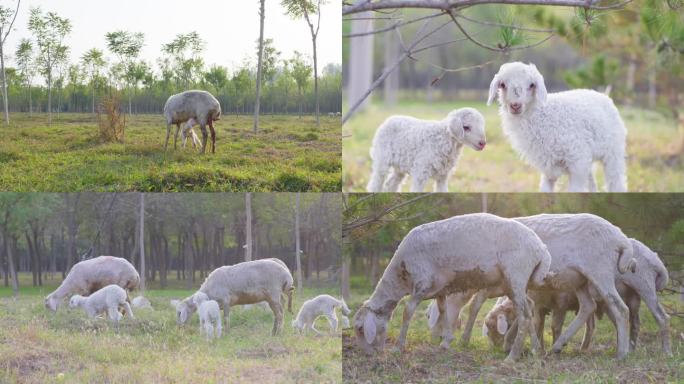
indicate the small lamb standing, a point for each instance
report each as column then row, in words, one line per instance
column 436, row 259
column 244, row 283
column 322, row 305
column 88, row 276
column 561, row 133
column 188, row 131
column 107, row 299
column 423, row 149
column 201, row 106
column 209, row 314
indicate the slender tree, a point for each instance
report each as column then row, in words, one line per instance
column 185, row 57
column 49, row 31
column 248, row 226
column 262, row 15
column 298, row 249
column 301, row 71
column 93, row 62
column 141, row 241
column 309, row 9
column 126, row 46
column 7, row 17
column 24, row 58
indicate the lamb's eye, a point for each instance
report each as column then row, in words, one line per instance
column 502, row 86
column 466, row 128
column 532, row 86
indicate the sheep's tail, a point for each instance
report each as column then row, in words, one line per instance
column 609, row 88
column 625, row 253
column 542, row 269
column 661, row 279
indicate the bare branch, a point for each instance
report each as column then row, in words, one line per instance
column 493, row 24
column 393, row 26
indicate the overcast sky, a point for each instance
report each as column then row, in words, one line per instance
column 230, row 28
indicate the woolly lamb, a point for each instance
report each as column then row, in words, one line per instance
column 188, row 131
column 198, row 105
column 322, row 305
column 107, row 299
column 209, row 315
column 560, row 133
column 423, row 149
column 244, row 283
column 473, row 251
column 88, row 276
column 141, row 302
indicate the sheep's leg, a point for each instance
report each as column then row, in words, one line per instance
column 219, row 329
column 226, row 313
column 447, row 332
column 547, row 183
column 661, row 317
column 213, row 136
column 587, row 306
column 205, row 135
column 277, row 309
column 614, row 170
column 378, row 175
column 509, row 337
column 579, row 175
column 332, row 320
column 633, row 303
column 588, row 333
column 313, row 328
column 394, row 181
column 418, row 182
column 168, row 133
column 409, row 309
column 539, row 318
column 557, row 320
column 475, row 305
column 442, row 183
column 128, row 310
column 114, row 314
column 592, row 182
column 619, row 310
column 175, row 136
column 522, row 318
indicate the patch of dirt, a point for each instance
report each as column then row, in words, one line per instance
column 28, row 361
column 263, row 352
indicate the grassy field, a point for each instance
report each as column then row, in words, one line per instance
column 288, row 154
column 651, row 141
column 67, row 347
column 425, row 361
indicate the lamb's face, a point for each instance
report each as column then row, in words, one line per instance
column 519, row 86
column 495, row 326
column 184, row 309
column 468, row 125
column 370, row 330
column 75, row 301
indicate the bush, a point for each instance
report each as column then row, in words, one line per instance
column 111, row 120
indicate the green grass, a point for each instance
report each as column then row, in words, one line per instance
column 425, row 361
column 651, row 141
column 67, row 347
column 288, row 154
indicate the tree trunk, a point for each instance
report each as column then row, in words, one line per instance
column 248, row 226
column 11, row 266
column 346, row 292
column 4, row 81
column 360, row 58
column 391, row 83
column 652, row 95
column 141, row 241
column 298, row 251
column 262, row 14
column 93, row 97
column 315, row 60
column 49, row 76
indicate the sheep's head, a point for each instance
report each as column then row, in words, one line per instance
column 75, row 301
column 432, row 314
column 370, row 329
column 519, row 87
column 297, row 325
column 51, row 303
column 496, row 324
column 467, row 125
column 184, row 309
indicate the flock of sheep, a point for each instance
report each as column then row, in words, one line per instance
column 560, row 133
column 100, row 286
column 536, row 265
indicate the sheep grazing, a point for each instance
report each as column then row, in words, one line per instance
column 475, row 251
column 244, row 283
column 423, row 149
column 198, row 105
column 561, row 133
column 209, row 315
column 88, row 276
column 141, row 302
column 107, row 299
column 188, row 131
column 322, row 305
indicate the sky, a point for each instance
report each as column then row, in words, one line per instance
column 230, row 28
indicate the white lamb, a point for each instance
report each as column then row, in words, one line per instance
column 423, row 149
column 107, row 299
column 188, row 131
column 322, row 305
column 561, row 133
column 475, row 251
column 209, row 315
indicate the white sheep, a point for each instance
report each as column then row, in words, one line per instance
column 201, row 106
column 561, row 133
column 107, row 299
column 209, row 315
column 322, row 305
column 244, row 283
column 141, row 302
column 88, row 276
column 436, row 259
column 423, row 149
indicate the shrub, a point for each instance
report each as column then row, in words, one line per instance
column 111, row 120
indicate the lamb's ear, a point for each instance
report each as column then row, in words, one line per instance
column 485, row 330
column 501, row 324
column 493, row 89
column 369, row 328
column 540, row 88
column 433, row 314
column 456, row 125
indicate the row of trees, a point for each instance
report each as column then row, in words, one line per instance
column 375, row 224
column 184, row 236
column 290, row 84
